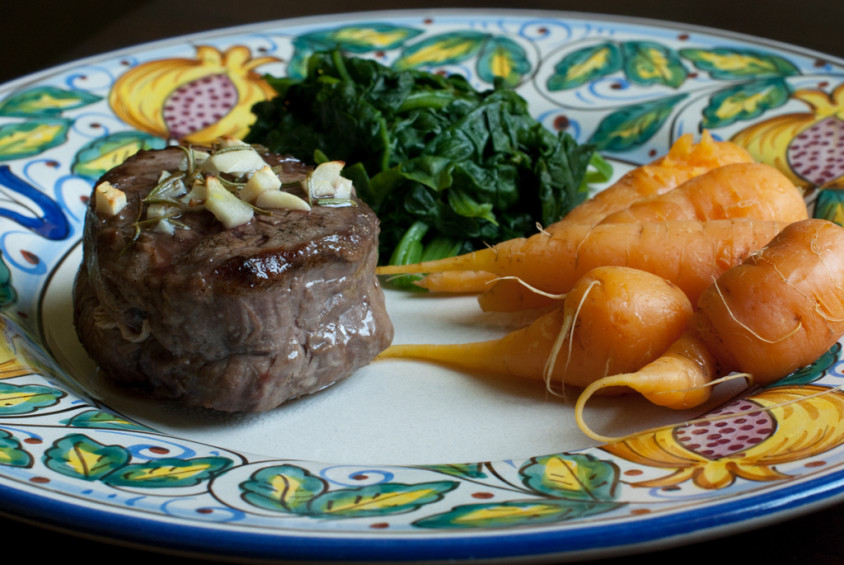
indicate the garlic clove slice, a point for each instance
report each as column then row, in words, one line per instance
column 226, row 207
column 277, row 199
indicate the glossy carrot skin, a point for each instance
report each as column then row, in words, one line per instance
column 614, row 319
column 740, row 190
column 685, row 160
column 780, row 309
column 690, row 254
column 457, row 282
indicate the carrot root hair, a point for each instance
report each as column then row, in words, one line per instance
column 566, row 333
column 748, row 328
column 624, row 381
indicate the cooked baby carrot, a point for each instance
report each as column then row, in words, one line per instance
column 777, row 311
column 740, row 190
column 457, row 281
column 688, row 253
column 614, row 319
column 684, row 160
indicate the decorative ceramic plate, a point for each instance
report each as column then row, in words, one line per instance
column 403, row 461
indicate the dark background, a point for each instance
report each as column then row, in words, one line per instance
column 36, row 35
column 40, row 33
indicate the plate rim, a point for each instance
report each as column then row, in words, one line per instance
column 746, row 518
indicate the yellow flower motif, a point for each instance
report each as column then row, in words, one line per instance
column 747, row 438
column 193, row 100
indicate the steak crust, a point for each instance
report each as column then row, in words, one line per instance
column 238, row 319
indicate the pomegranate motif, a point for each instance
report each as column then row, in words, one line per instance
column 817, row 153
column 748, row 438
column 808, row 146
column 199, row 104
column 716, row 438
column 193, row 100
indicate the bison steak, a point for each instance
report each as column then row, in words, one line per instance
column 234, row 319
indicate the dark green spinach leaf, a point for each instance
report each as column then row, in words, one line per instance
column 444, row 166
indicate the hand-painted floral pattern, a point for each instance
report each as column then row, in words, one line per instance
column 630, row 88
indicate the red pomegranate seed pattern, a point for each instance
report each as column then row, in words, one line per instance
column 198, row 104
column 817, row 153
column 722, row 437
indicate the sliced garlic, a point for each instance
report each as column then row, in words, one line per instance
column 226, row 207
column 325, row 181
column 281, row 200
column 263, row 180
column 109, row 200
column 236, row 160
column 164, row 225
column 161, row 211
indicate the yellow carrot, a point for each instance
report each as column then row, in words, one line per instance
column 614, row 319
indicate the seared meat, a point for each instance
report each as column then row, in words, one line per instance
column 238, row 319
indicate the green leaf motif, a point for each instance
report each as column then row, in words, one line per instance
column 745, row 102
column 647, row 63
column 283, row 488
column 27, row 139
column 81, row 457
column 11, row 453
column 45, row 101
column 105, row 153
column 24, row 399
column 466, row 471
column 572, row 476
column 8, row 294
column 633, row 125
column 292, row 489
column 169, row 472
column 502, row 59
column 729, row 64
column 297, row 66
column 103, row 420
column 514, row 513
column 443, row 49
column 830, row 205
column 360, row 38
column 585, row 65
column 380, row 499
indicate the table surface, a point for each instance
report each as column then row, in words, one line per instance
column 49, row 33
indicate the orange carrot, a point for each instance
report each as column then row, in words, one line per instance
column 614, row 319
column 688, row 253
column 740, row 190
column 457, row 282
column 685, row 160
column 779, row 310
